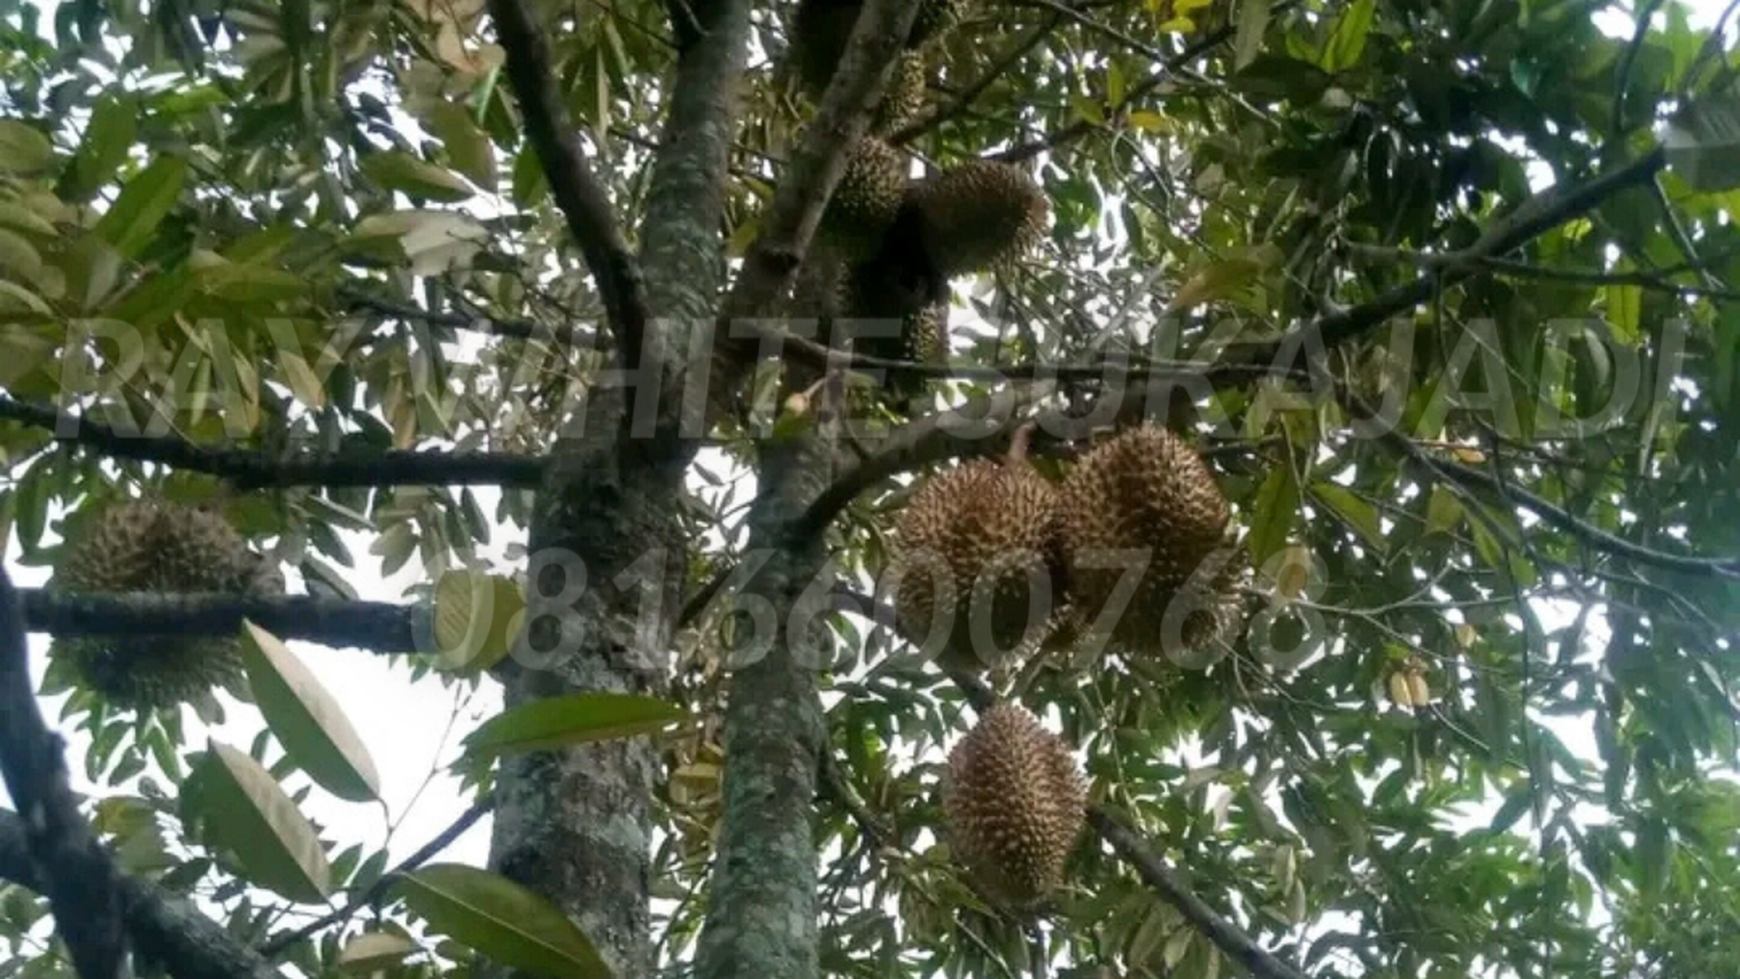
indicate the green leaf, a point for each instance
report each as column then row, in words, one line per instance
column 1701, row 143
column 1624, row 305
column 1273, row 513
column 246, row 811
column 23, row 148
column 477, row 616
column 374, row 950
column 466, row 143
column 1253, row 24
column 307, row 720
column 432, row 240
column 1357, row 512
column 1227, row 279
column 114, row 123
column 20, row 218
column 398, row 170
column 142, row 205
column 501, row 920
column 1516, row 802
column 1443, row 510
column 19, row 256
column 557, row 721
column 1347, row 40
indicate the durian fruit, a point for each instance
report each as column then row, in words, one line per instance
column 1146, row 489
column 903, row 97
column 989, row 526
column 158, row 547
column 866, row 201
column 1014, row 804
column 923, row 339
column 977, row 215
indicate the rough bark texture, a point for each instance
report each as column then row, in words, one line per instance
column 762, row 910
column 574, row 825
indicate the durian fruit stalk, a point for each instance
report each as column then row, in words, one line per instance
column 1146, row 491
column 1014, row 804
column 977, row 215
column 157, row 547
column 976, row 568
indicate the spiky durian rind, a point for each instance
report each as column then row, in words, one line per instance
column 157, row 547
column 979, row 214
column 1144, row 491
column 866, row 200
column 983, row 527
column 1014, row 803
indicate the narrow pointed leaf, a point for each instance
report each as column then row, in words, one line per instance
column 248, row 813
column 558, row 721
column 306, row 718
column 501, row 920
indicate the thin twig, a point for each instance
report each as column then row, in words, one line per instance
column 373, row 892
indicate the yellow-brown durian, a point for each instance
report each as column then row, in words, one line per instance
column 1014, row 803
column 984, row 527
column 1146, row 490
column 157, row 547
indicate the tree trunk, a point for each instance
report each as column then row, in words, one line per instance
column 762, row 910
column 574, row 825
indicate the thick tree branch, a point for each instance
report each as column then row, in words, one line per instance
column 577, row 191
column 246, row 469
column 376, row 626
column 76, row 872
column 791, row 218
column 682, row 251
column 163, row 927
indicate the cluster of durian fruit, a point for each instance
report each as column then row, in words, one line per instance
column 1014, row 802
column 888, row 244
column 154, row 546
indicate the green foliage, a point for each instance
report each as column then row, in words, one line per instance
column 274, row 227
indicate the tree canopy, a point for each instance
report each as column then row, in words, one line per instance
column 1444, row 294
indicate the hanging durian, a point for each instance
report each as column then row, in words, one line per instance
column 866, row 201
column 1014, row 803
column 1146, row 490
column 987, row 528
column 976, row 215
column 158, row 547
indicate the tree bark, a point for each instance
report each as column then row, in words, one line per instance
column 574, row 825
column 762, row 906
